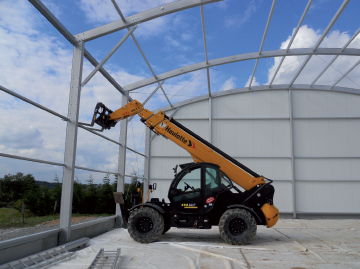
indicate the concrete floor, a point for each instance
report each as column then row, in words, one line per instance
column 292, row 244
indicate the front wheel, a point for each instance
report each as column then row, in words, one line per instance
column 145, row 225
column 237, row 226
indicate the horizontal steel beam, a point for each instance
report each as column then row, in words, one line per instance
column 51, row 163
column 134, row 176
column 33, row 103
column 30, row 159
column 136, row 151
column 94, row 170
column 140, row 18
column 238, row 58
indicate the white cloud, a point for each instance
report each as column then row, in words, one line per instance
column 253, row 83
column 38, row 66
column 307, row 37
column 23, row 22
column 228, row 85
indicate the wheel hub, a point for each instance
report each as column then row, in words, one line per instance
column 144, row 225
column 237, row 226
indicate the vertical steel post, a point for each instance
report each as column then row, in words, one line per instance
column 70, row 143
column 147, row 162
column 292, row 153
column 122, row 160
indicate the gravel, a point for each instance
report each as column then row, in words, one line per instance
column 6, row 234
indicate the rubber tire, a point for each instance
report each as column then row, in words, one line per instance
column 167, row 226
column 157, row 220
column 246, row 236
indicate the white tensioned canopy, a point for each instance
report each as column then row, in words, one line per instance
column 215, row 101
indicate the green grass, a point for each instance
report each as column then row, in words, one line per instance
column 11, row 218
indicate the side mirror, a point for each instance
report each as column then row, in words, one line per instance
column 175, row 169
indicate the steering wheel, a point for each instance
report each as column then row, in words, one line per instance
column 188, row 186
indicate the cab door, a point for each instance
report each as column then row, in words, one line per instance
column 215, row 182
column 185, row 192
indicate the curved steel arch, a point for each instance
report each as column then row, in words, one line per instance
column 260, row 88
column 139, row 18
column 239, row 58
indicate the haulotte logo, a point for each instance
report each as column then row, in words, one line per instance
column 178, row 136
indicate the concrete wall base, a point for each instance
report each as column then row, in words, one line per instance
column 21, row 247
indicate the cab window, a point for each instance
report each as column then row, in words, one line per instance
column 216, row 180
column 189, row 185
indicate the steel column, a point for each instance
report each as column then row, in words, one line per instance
column 70, row 143
column 122, row 160
column 292, row 153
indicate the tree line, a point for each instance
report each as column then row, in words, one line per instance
column 88, row 198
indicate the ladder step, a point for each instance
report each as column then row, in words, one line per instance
column 40, row 260
column 106, row 259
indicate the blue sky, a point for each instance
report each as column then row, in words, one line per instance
column 35, row 61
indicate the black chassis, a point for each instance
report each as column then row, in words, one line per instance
column 251, row 200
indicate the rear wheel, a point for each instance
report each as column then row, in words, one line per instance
column 237, row 226
column 145, row 225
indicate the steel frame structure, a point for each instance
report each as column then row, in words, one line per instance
column 131, row 23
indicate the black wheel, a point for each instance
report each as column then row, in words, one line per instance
column 145, row 225
column 167, row 226
column 237, row 226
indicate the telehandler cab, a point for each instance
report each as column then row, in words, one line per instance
column 202, row 194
